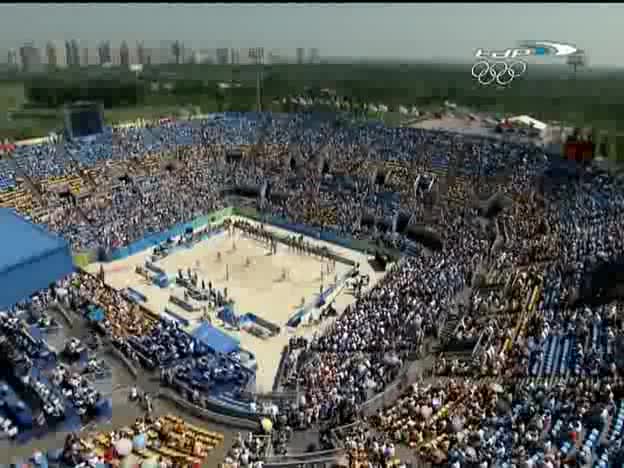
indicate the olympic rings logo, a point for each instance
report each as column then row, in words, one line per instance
column 500, row 72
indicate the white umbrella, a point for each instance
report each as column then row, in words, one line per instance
column 426, row 412
column 123, row 447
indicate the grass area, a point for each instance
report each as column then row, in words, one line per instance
column 11, row 96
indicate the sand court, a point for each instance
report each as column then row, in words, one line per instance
column 270, row 285
column 254, row 280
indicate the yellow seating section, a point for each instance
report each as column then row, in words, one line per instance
column 180, row 442
column 20, row 199
column 74, row 182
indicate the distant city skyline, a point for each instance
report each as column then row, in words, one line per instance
column 30, row 57
column 418, row 32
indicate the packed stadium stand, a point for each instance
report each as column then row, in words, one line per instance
column 523, row 374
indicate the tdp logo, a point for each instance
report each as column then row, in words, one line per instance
column 537, row 48
column 505, row 54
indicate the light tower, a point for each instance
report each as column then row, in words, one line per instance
column 257, row 54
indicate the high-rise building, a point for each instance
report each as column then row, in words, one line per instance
column 254, row 55
column 235, row 56
column 188, row 54
column 148, row 55
column 205, row 56
column 300, row 55
column 314, row 56
column 104, row 53
column 51, row 55
column 133, row 55
column 68, row 53
column 274, row 57
column 124, row 54
column 163, row 54
column 13, row 59
column 177, row 52
column 31, row 58
column 72, row 52
column 222, row 56
column 75, row 48
column 84, row 56
column 60, row 52
column 94, row 58
column 140, row 53
column 115, row 56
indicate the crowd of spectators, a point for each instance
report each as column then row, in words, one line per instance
column 530, row 325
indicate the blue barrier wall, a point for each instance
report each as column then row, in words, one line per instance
column 157, row 239
column 295, row 320
column 184, row 322
column 139, row 295
column 324, row 235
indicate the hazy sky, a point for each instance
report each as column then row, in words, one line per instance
column 420, row 32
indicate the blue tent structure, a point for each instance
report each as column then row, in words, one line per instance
column 30, row 258
column 215, row 339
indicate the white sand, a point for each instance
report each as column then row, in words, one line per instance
column 256, row 288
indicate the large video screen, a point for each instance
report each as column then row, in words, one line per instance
column 86, row 122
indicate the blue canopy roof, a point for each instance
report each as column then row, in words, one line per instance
column 30, row 258
column 215, row 339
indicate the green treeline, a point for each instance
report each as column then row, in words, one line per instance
column 53, row 93
column 591, row 97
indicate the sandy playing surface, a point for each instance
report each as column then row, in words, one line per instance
column 257, row 287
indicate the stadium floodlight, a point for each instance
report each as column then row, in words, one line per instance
column 257, row 54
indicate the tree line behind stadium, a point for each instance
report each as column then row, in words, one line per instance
column 591, row 98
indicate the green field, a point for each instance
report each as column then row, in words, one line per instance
column 11, row 96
